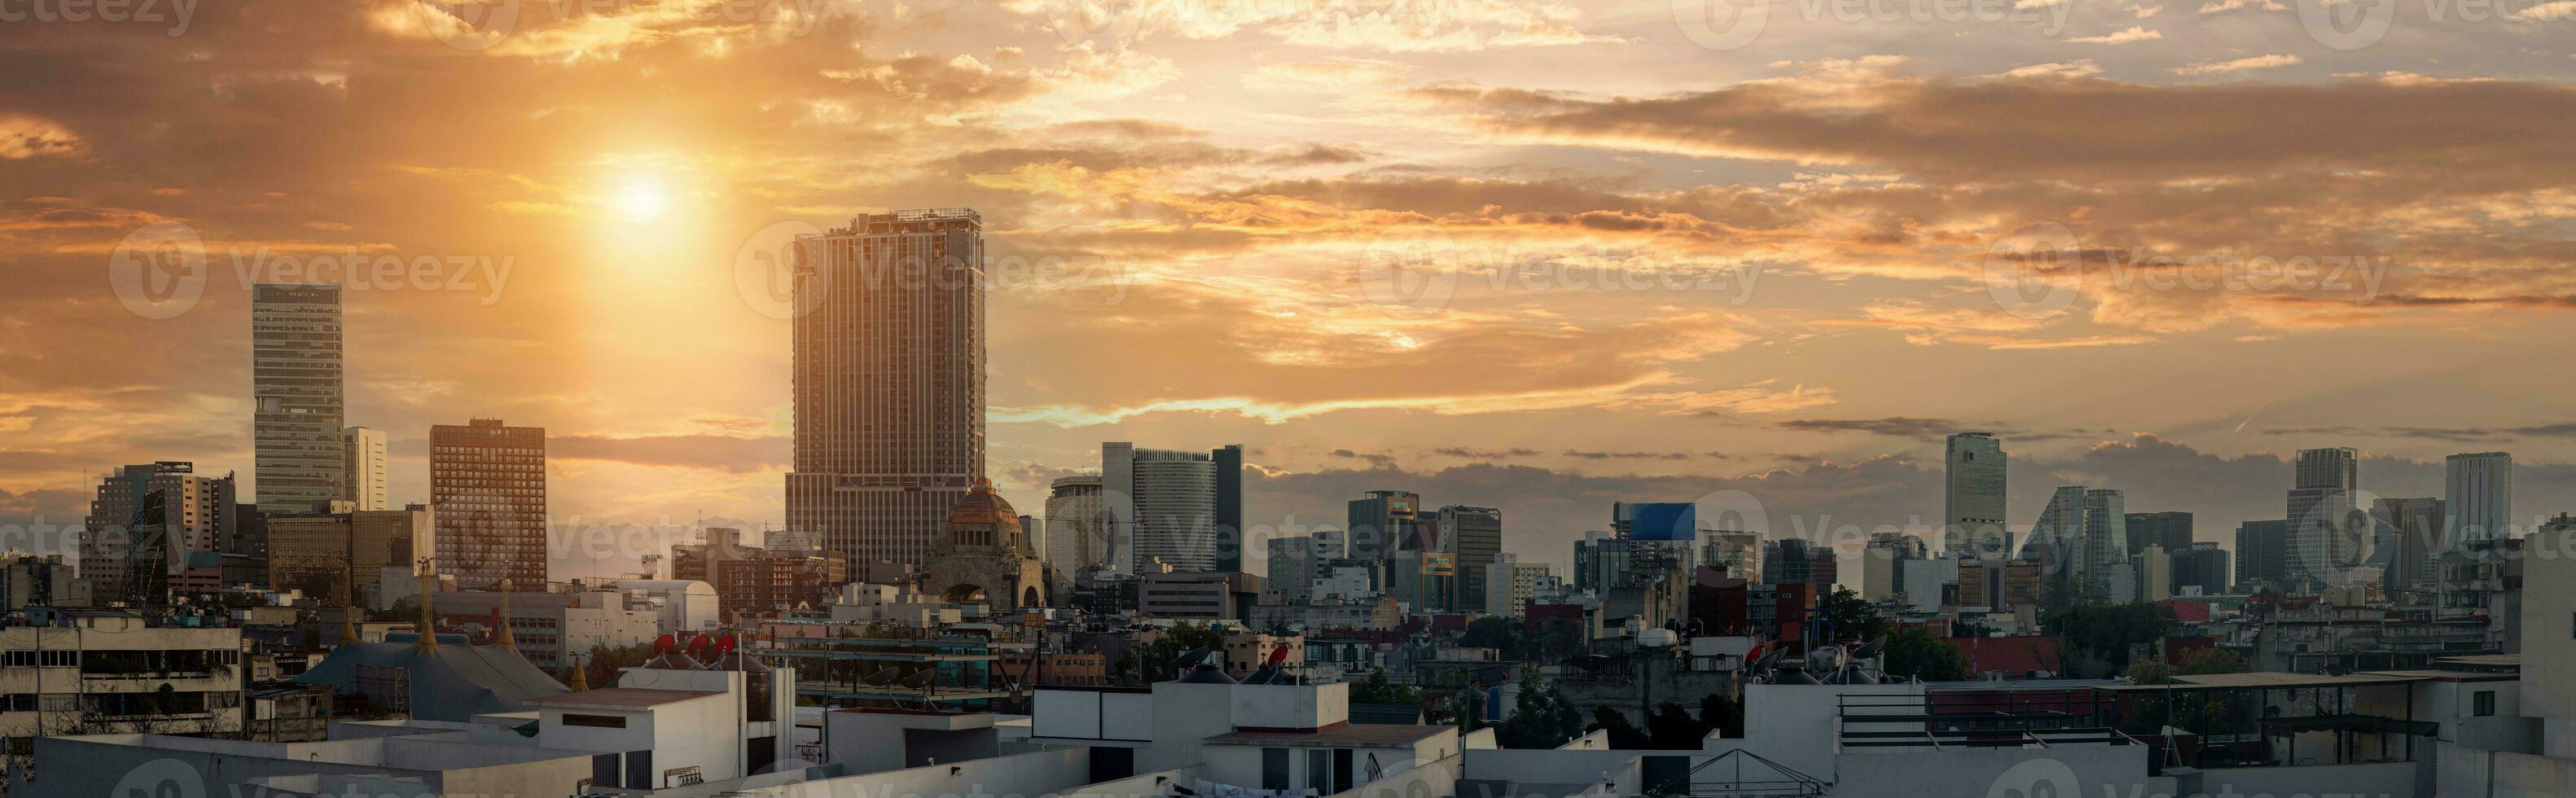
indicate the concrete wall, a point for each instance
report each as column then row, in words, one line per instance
column 2065, row 771
column 2388, row 779
column 1031, row 774
column 2527, row 776
column 1439, row 777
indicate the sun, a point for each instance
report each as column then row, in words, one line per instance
column 643, row 200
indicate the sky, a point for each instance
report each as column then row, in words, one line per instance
column 1539, row 256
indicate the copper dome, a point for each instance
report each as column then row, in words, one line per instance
column 983, row 506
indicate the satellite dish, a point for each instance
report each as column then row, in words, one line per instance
column 1871, row 649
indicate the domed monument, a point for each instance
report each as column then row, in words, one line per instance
column 986, row 556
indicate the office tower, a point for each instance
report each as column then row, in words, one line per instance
column 1382, row 523
column 1290, row 566
column 1078, row 529
column 1162, row 505
column 336, row 553
column 2414, row 538
column 2154, row 573
column 245, row 546
column 1793, row 561
column 889, row 381
column 155, row 530
column 295, row 395
column 1739, row 552
column 487, row 492
column 2106, row 541
column 2200, row 570
column 362, row 465
column 2478, row 492
column 1474, row 536
column 2323, row 543
column 2262, row 552
column 1972, row 506
column 2083, row 533
column 1229, row 507
column 2170, row 530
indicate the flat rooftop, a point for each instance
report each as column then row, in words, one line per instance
column 625, row 697
column 1347, row 734
column 2268, row 681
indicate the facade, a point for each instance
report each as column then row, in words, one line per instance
column 1077, row 528
column 2262, row 551
column 889, row 381
column 2085, row 532
column 487, row 485
column 1197, row 595
column 362, row 460
column 550, row 629
column 986, row 558
column 2412, row 541
column 2323, row 543
column 1793, row 561
column 1380, row 523
column 1162, row 505
column 154, row 529
column 2170, row 530
column 2478, row 491
column 1738, row 551
column 1511, row 584
column 105, row 673
column 1972, row 504
column 770, row 582
column 2201, row 569
column 1474, row 536
column 296, row 398
column 338, row 553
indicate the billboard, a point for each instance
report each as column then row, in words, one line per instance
column 1663, row 521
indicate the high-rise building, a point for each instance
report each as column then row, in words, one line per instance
column 1077, row 529
column 1475, row 536
column 1381, row 523
column 336, row 552
column 1229, row 507
column 2323, row 543
column 487, row 491
column 2084, row 534
column 1738, row 551
column 1972, row 506
column 156, row 529
column 2201, row 569
column 1162, row 504
column 296, row 402
column 2170, row 530
column 889, row 381
column 1794, row 561
column 2262, row 551
column 362, row 459
column 2415, row 537
column 2478, row 495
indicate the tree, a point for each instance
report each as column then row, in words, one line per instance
column 1915, row 652
column 2205, row 661
column 1623, row 735
column 1159, row 661
column 1495, row 632
column 603, row 664
column 1542, row 717
column 1672, row 728
column 1377, row 690
column 1846, row 614
column 1719, row 711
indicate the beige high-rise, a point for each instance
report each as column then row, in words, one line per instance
column 487, row 484
column 889, row 381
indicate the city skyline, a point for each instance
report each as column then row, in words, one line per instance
column 1214, row 200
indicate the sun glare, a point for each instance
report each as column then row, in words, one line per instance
column 643, row 201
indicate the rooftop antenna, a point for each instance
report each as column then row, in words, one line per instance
column 428, row 599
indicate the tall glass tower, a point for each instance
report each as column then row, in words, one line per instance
column 296, row 401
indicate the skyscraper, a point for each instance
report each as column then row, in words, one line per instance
column 1077, row 529
column 2478, row 495
column 2084, row 532
column 1381, row 523
column 889, row 381
column 362, row 458
column 2323, row 544
column 1475, row 536
column 1229, row 507
column 155, row 529
column 1162, row 503
column 295, row 395
column 1972, row 507
column 2262, row 551
column 2413, row 530
column 487, row 492
column 2170, row 529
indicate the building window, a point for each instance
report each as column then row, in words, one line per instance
column 595, row 721
column 2483, row 703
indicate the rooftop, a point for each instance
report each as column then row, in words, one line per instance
column 625, row 697
column 1349, row 734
